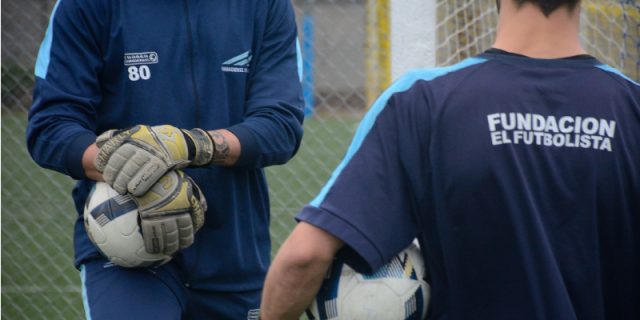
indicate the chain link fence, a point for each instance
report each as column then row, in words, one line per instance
column 38, row 281
column 346, row 57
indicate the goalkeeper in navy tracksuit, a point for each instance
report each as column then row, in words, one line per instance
column 208, row 88
column 518, row 170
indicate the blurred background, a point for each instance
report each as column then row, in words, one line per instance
column 351, row 50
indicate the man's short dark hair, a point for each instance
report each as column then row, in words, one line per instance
column 547, row 6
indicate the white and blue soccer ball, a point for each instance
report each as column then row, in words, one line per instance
column 111, row 221
column 396, row 291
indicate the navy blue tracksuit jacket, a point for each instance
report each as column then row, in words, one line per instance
column 208, row 64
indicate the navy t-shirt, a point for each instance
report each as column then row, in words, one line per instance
column 519, row 176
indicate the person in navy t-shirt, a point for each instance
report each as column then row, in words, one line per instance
column 518, row 170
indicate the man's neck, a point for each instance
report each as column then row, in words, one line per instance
column 527, row 31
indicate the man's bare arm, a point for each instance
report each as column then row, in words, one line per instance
column 297, row 272
column 227, row 147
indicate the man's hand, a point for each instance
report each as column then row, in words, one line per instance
column 133, row 160
column 170, row 213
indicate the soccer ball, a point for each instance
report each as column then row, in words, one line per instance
column 395, row 291
column 111, row 221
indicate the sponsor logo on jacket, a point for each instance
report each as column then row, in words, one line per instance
column 138, row 58
column 239, row 63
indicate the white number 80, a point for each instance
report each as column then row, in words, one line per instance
column 139, row 72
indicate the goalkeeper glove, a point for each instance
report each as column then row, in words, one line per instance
column 134, row 159
column 170, row 213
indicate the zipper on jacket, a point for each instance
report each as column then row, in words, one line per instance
column 190, row 44
column 188, row 278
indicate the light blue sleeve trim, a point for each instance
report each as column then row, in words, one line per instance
column 299, row 59
column 85, row 298
column 369, row 119
column 616, row 71
column 44, row 54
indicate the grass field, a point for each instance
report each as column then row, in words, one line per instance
column 38, row 279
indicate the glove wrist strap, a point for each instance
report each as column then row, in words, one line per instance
column 204, row 147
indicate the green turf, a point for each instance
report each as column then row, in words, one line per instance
column 296, row 183
column 38, row 279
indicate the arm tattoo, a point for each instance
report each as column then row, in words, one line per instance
column 221, row 148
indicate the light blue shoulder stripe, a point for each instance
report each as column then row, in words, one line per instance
column 616, row 71
column 85, row 298
column 44, row 55
column 299, row 59
column 369, row 119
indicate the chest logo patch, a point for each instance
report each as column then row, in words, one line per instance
column 140, row 58
column 137, row 64
column 239, row 63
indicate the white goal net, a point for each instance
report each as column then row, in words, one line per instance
column 442, row 32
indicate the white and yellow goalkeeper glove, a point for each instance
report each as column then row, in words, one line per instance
column 133, row 160
column 170, row 213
